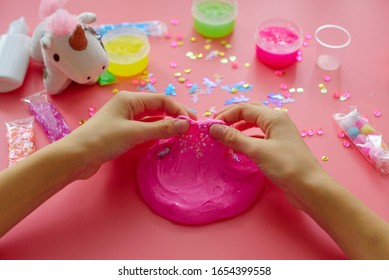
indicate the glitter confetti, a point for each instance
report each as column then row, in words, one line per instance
column 148, row 87
column 92, row 110
column 279, row 73
column 210, row 85
column 209, row 112
column 341, row 134
column 170, row 90
column 324, row 158
column 283, row 86
column 236, row 100
column 377, row 113
column 237, row 87
column 194, row 89
column 234, row 65
column 310, row 132
column 327, row 78
column 174, row 21
column 346, row 144
column 163, row 153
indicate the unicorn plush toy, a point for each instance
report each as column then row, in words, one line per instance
column 69, row 49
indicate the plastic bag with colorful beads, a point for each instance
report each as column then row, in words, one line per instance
column 21, row 139
column 366, row 138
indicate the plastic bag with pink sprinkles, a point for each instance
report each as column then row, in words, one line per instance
column 21, row 139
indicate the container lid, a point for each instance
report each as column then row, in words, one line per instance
column 215, row 11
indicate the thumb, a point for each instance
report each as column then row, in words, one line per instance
column 232, row 137
column 164, row 128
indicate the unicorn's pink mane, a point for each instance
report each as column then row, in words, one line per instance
column 61, row 23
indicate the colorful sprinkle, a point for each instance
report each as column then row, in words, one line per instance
column 377, row 113
column 174, row 21
column 341, row 134
column 324, row 158
column 310, row 132
column 173, row 64
column 346, row 144
column 236, row 100
column 92, row 110
column 170, row 90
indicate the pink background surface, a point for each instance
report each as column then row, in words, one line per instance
column 105, row 217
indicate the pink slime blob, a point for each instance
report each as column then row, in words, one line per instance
column 193, row 179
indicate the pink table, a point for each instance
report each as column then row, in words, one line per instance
column 105, row 217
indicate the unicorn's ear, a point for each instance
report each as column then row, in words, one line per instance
column 46, row 41
column 87, row 18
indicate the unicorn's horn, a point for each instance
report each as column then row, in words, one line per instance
column 78, row 39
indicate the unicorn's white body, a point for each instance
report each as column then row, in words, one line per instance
column 69, row 49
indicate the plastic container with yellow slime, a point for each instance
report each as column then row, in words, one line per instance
column 128, row 51
column 214, row 18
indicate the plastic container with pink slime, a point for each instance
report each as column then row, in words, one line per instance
column 193, row 179
column 278, row 42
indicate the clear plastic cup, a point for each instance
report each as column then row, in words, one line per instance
column 214, row 18
column 278, row 42
column 332, row 41
column 127, row 50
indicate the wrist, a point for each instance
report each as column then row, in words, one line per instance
column 77, row 157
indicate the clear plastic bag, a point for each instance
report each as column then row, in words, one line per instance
column 20, row 138
column 364, row 136
column 47, row 115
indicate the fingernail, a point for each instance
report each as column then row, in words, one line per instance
column 181, row 126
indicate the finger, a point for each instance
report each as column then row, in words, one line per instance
column 248, row 112
column 256, row 114
column 232, row 137
column 243, row 125
column 163, row 129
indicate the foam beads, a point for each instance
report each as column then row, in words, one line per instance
column 363, row 135
column 193, row 179
column 20, row 138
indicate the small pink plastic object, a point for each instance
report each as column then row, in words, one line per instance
column 194, row 179
column 365, row 137
column 278, row 42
